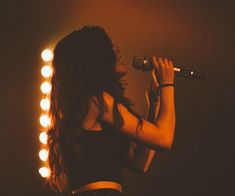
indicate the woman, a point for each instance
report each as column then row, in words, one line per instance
column 94, row 132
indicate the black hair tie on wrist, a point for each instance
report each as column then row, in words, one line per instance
column 165, row 85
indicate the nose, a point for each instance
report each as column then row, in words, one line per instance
column 116, row 50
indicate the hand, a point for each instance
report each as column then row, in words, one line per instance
column 164, row 70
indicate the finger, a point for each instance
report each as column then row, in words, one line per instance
column 156, row 66
column 171, row 63
column 155, row 62
column 161, row 63
column 166, row 62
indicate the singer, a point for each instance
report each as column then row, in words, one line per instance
column 94, row 132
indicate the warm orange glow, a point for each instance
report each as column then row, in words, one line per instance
column 46, row 87
column 47, row 55
column 46, row 71
column 45, row 120
column 44, row 172
column 43, row 137
column 43, row 154
column 45, row 104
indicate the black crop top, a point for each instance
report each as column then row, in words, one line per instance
column 100, row 156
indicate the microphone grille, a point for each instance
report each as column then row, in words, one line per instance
column 143, row 63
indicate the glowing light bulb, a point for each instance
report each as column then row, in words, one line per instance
column 45, row 104
column 44, row 172
column 47, row 55
column 43, row 137
column 46, row 71
column 43, row 154
column 45, row 121
column 46, row 87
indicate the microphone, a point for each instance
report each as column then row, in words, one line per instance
column 145, row 64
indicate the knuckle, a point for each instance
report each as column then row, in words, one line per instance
column 154, row 60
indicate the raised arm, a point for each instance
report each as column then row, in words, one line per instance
column 152, row 135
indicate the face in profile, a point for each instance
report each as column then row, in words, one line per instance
column 120, row 67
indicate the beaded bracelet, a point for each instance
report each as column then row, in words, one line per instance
column 164, row 85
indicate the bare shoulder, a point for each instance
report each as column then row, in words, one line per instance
column 109, row 100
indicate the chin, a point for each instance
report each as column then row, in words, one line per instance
column 121, row 74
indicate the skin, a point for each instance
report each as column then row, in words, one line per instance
column 120, row 67
column 158, row 131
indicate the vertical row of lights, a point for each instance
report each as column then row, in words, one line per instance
column 45, row 122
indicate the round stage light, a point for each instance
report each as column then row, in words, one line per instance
column 45, row 121
column 47, row 55
column 46, row 87
column 43, row 154
column 43, row 137
column 45, row 104
column 44, row 172
column 46, row 71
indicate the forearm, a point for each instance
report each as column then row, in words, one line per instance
column 145, row 155
column 166, row 115
column 162, row 113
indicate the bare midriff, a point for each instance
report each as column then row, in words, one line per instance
column 98, row 185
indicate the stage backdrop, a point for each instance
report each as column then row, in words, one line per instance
column 194, row 34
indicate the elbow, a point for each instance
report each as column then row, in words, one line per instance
column 168, row 146
column 167, row 141
column 164, row 146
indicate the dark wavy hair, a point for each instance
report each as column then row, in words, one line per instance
column 83, row 67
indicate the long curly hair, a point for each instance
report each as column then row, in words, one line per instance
column 83, row 67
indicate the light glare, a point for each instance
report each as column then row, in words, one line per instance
column 44, row 172
column 46, row 87
column 46, row 71
column 43, row 154
column 45, row 104
column 47, row 55
column 43, row 137
column 45, row 120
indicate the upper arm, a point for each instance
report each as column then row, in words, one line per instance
column 149, row 135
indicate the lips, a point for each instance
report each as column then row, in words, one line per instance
column 121, row 69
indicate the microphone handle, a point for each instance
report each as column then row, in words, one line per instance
column 187, row 73
column 145, row 64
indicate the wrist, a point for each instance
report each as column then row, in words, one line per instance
column 166, row 85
